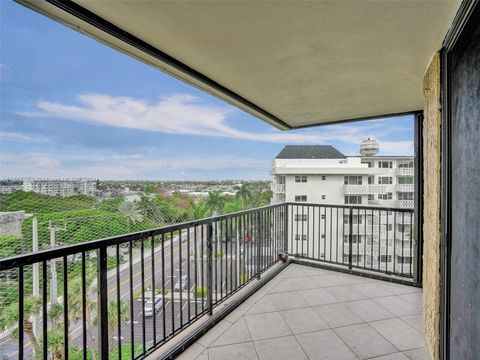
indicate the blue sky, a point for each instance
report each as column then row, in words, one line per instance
column 72, row 107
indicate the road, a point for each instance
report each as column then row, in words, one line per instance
column 188, row 257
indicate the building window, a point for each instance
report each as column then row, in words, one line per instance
column 404, row 259
column 323, row 197
column 302, row 237
column 301, row 217
column 405, row 196
column 356, row 219
column 405, row 180
column 385, row 180
column 353, row 199
column 301, row 198
column 406, row 165
column 323, row 236
column 353, row 180
column 369, row 163
column 385, row 258
column 324, row 177
column 387, row 196
column 323, row 217
column 385, row 164
column 301, row 178
column 355, row 239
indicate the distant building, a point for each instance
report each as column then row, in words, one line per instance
column 51, row 187
column 320, row 174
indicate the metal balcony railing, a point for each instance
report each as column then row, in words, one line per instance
column 405, row 187
column 126, row 296
column 364, row 189
column 406, row 171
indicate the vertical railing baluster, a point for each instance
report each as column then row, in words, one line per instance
column 350, row 237
column 259, row 234
column 209, row 269
column 20, row 312
column 119, row 310
column 142, row 281
column 84, row 306
column 130, row 273
column 44, row 309
column 65, row 308
column 154, row 300
column 102, row 309
column 164, row 320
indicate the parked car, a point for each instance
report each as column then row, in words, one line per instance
column 149, row 306
column 182, row 283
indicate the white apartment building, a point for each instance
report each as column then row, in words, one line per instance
column 320, row 174
column 60, row 187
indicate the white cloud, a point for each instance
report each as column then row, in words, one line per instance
column 183, row 114
column 118, row 165
column 13, row 135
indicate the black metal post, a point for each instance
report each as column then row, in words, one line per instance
column 257, row 243
column 209, row 269
column 102, row 292
column 285, row 225
column 350, row 237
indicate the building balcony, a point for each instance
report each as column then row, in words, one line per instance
column 217, row 286
column 363, row 189
column 405, row 204
column 278, row 188
column 405, row 171
column 405, row 187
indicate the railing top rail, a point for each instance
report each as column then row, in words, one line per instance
column 48, row 254
column 360, row 207
column 66, row 250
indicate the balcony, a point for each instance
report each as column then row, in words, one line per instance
column 406, row 171
column 405, row 187
column 364, row 189
column 405, row 204
column 310, row 313
column 278, row 188
column 154, row 293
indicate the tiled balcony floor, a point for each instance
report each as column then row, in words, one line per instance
column 309, row 313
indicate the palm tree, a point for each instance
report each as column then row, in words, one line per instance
column 131, row 212
column 216, row 201
column 198, row 210
column 244, row 193
column 113, row 319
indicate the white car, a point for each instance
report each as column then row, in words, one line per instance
column 182, row 283
column 149, row 306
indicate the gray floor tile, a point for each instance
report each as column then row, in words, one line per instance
column 192, row 352
column 414, row 298
column 399, row 333
column 287, row 301
column 283, row 348
column 398, row 306
column 244, row 351
column 265, row 326
column 418, row 354
column 214, row 333
column 364, row 341
column 264, row 305
column 396, row 356
column 337, row 315
column 335, row 279
column 372, row 289
column 346, row 293
column 238, row 312
column 315, row 297
column 304, row 320
column 414, row 320
column 294, row 285
column 237, row 333
column 398, row 289
column 369, row 310
column 324, row 345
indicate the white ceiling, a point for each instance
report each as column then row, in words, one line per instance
column 303, row 62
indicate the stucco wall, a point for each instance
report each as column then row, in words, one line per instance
column 431, row 197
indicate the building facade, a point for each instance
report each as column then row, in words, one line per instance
column 51, row 187
column 320, row 174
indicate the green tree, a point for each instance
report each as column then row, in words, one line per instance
column 216, row 201
column 131, row 212
column 244, row 194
